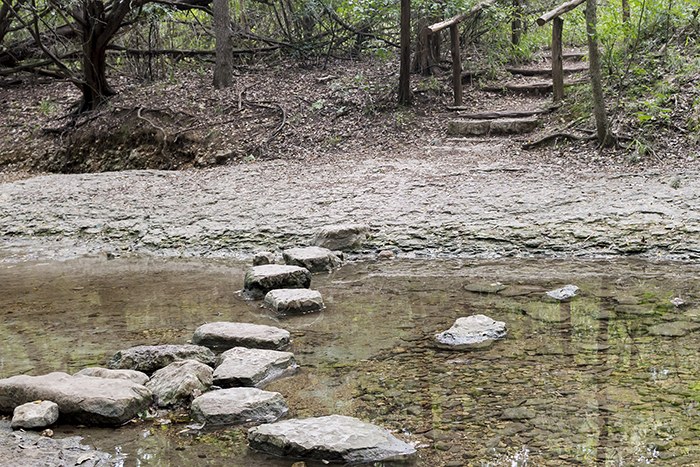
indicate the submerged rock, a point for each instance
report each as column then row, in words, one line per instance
column 334, row 438
column 674, row 329
column 259, row 280
column 294, row 301
column 484, row 287
column 241, row 366
column 341, row 237
column 37, row 414
column 225, row 335
column 137, row 377
column 565, row 292
column 472, row 332
column 547, row 312
column 180, row 382
column 237, row 405
column 149, row 358
column 313, row 258
column 81, row 399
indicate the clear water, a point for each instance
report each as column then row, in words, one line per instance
column 586, row 382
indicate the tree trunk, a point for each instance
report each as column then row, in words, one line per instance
column 517, row 24
column 625, row 11
column 405, row 67
column 95, row 89
column 223, row 70
column 425, row 57
column 601, row 118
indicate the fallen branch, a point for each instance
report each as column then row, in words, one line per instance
column 554, row 136
column 433, row 28
column 186, row 53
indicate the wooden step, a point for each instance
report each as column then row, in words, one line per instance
column 537, row 86
column 545, row 71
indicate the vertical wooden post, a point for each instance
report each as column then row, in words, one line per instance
column 456, row 64
column 557, row 67
column 517, row 24
column 405, row 69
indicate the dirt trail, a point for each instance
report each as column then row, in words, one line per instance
column 460, row 198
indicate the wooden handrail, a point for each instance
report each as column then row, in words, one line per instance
column 560, row 10
column 460, row 17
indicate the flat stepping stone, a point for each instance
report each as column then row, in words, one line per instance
column 642, row 310
column 334, row 438
column 225, row 335
column 313, row 258
column 472, row 332
column 294, row 301
column 137, row 377
column 81, row 399
column 342, row 237
column 241, row 366
column 564, row 293
column 179, row 382
column 498, row 126
column 674, row 329
column 547, row 312
column 37, row 414
column 259, row 280
column 238, row 405
column 484, row 287
column 149, row 358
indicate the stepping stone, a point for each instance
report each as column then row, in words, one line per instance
column 180, row 382
column 81, row 399
column 294, row 301
column 484, row 287
column 313, row 258
column 37, row 414
column 252, row 367
column 498, row 126
column 225, row 335
column 129, row 375
column 547, row 312
column 238, row 405
column 565, row 292
column 342, row 237
column 674, row 329
column 472, row 332
column 263, row 257
column 334, row 438
column 149, row 358
column 261, row 279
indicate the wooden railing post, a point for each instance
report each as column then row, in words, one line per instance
column 456, row 64
column 557, row 66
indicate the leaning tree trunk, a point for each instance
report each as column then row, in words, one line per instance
column 601, row 118
column 223, row 70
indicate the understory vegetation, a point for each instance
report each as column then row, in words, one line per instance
column 313, row 74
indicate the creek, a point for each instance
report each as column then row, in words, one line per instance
column 591, row 381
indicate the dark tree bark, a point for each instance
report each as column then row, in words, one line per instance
column 405, row 68
column 605, row 139
column 223, row 70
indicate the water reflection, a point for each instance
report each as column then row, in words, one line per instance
column 607, row 378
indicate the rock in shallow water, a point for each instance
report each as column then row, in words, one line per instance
column 80, row 399
column 334, row 438
column 294, row 301
column 313, row 258
column 225, row 335
column 149, row 358
column 179, row 382
column 130, row 375
column 238, row 405
column 565, row 292
column 37, row 414
column 341, row 237
column 259, row 280
column 252, row 367
column 472, row 332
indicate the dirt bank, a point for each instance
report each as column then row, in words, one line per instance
column 459, row 199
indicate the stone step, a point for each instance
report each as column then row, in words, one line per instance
column 497, row 126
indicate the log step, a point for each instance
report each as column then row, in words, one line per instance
column 498, row 126
column 540, row 86
column 545, row 71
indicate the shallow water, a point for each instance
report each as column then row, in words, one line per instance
column 582, row 382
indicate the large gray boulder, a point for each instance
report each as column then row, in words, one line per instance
column 313, row 258
column 241, row 366
column 334, row 438
column 130, row 375
column 149, row 358
column 294, row 301
column 564, row 293
column 180, row 382
column 341, row 237
column 259, row 280
column 81, row 399
column 238, row 405
column 225, row 335
column 472, row 332
column 33, row 415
